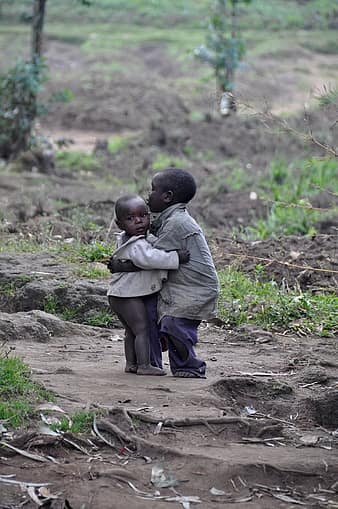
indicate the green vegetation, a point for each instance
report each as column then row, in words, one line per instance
column 288, row 189
column 246, row 300
column 21, row 246
column 80, row 422
column 224, row 48
column 19, row 88
column 18, row 393
column 8, row 289
column 53, row 306
column 117, row 144
column 278, row 14
column 163, row 161
column 90, row 272
column 100, row 319
column 78, row 161
column 93, row 252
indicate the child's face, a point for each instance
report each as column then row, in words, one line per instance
column 134, row 219
column 158, row 200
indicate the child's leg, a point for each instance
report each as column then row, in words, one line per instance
column 133, row 313
column 129, row 350
column 129, row 342
column 150, row 302
column 182, row 337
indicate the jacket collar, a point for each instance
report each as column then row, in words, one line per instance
column 159, row 219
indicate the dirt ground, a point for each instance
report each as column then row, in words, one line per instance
column 261, row 430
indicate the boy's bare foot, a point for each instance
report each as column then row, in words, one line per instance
column 150, row 370
column 130, row 368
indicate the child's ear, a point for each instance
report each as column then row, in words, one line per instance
column 118, row 224
column 168, row 196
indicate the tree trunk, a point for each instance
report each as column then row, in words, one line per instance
column 228, row 101
column 37, row 27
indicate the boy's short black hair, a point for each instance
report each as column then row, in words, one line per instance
column 180, row 182
column 121, row 203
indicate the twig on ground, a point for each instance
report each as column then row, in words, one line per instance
column 97, row 433
column 5, row 480
column 135, row 440
column 286, row 264
column 261, row 373
column 189, row 421
column 35, row 457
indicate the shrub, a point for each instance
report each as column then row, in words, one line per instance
column 19, row 107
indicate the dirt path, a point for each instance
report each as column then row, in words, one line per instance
column 258, row 462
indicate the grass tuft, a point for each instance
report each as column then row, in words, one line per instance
column 18, row 393
column 117, row 144
column 246, row 300
column 80, row 422
column 288, row 191
column 77, row 161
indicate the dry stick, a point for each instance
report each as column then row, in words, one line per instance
column 189, row 421
column 325, row 190
column 135, row 440
column 298, row 206
column 111, row 224
column 35, row 457
column 96, row 431
column 287, row 264
column 305, row 136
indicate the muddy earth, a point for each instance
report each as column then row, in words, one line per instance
column 262, row 430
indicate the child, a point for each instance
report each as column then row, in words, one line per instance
column 127, row 291
column 190, row 293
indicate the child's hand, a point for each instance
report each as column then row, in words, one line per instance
column 111, row 265
column 116, row 265
column 183, row 255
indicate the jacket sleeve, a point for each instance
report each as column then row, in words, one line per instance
column 146, row 257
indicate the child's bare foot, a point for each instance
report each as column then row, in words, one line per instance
column 130, row 368
column 150, row 370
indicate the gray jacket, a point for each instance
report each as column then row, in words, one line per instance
column 192, row 290
column 155, row 263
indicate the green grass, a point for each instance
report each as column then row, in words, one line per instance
column 92, row 252
column 8, row 289
column 100, row 319
column 288, row 190
column 90, row 272
column 163, row 161
column 248, row 300
column 54, row 306
column 21, row 246
column 80, row 422
column 18, row 393
column 277, row 14
column 75, row 161
column 117, row 144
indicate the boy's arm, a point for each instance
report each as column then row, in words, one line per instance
column 143, row 255
column 116, row 265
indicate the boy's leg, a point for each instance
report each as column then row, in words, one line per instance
column 129, row 340
column 133, row 314
column 129, row 350
column 150, row 302
column 182, row 336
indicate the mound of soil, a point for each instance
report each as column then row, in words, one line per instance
column 310, row 263
column 118, row 104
